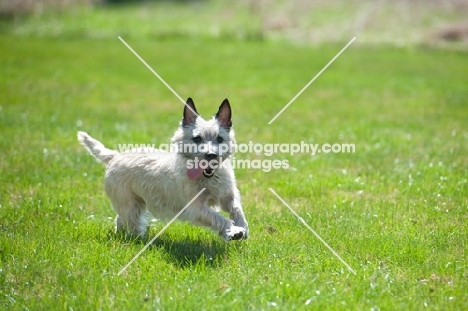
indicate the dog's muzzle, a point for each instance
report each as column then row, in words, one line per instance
column 208, row 173
column 211, row 158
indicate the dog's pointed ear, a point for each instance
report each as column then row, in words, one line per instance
column 190, row 113
column 224, row 114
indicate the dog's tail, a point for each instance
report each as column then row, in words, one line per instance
column 96, row 148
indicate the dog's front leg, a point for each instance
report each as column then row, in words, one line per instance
column 205, row 216
column 232, row 205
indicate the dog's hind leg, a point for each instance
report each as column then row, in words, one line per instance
column 132, row 217
column 131, row 220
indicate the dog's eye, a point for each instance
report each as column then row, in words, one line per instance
column 220, row 139
column 197, row 139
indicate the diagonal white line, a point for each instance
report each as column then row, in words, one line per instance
column 160, row 232
column 313, row 231
column 310, row 82
column 156, row 74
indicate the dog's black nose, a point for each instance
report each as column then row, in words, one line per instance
column 211, row 156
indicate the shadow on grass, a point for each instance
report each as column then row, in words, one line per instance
column 182, row 253
column 185, row 253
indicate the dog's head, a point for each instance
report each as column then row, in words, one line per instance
column 205, row 144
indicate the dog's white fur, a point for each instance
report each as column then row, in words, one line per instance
column 157, row 182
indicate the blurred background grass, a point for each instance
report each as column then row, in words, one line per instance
column 398, row 22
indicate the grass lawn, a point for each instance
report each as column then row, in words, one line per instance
column 396, row 210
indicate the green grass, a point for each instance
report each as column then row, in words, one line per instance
column 395, row 210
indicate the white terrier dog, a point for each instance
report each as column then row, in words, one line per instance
column 162, row 183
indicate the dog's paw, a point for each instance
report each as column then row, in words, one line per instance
column 246, row 233
column 234, row 233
